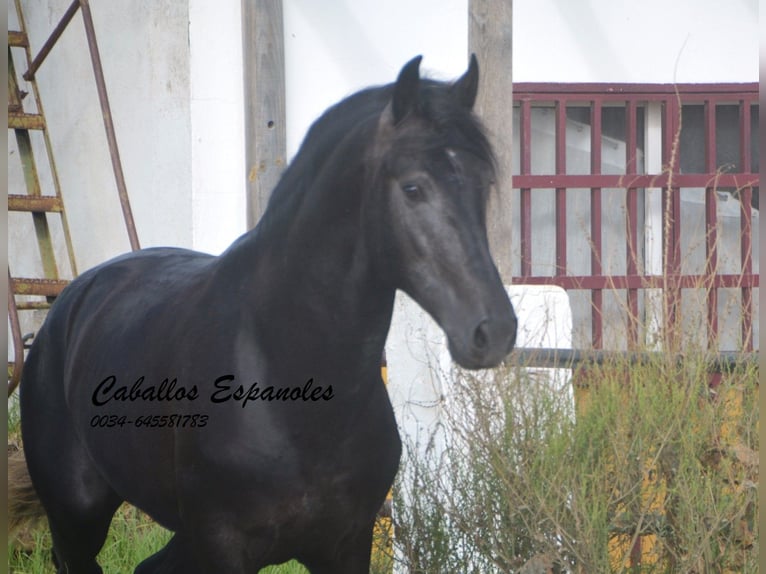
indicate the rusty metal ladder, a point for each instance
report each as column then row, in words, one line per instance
column 31, row 293
column 37, row 204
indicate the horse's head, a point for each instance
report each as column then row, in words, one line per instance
column 433, row 171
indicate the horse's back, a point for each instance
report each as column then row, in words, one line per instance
column 142, row 278
column 126, row 293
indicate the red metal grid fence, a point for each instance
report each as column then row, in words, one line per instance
column 731, row 167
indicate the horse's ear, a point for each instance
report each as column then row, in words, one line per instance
column 405, row 98
column 466, row 87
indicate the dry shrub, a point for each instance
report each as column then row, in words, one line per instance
column 652, row 455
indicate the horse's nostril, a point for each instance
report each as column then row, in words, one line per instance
column 481, row 336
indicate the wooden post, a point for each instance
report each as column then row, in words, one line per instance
column 264, row 83
column 489, row 37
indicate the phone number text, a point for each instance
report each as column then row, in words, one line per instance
column 150, row 421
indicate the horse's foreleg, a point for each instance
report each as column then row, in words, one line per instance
column 202, row 556
column 352, row 557
column 76, row 545
column 174, row 558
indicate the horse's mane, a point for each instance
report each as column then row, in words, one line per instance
column 358, row 114
column 323, row 137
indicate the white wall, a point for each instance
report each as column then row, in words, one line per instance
column 332, row 49
column 173, row 74
column 646, row 41
column 217, row 124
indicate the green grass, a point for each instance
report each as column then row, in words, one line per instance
column 132, row 538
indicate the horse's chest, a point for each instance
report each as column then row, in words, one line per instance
column 344, row 482
column 360, row 465
column 305, row 477
column 324, row 506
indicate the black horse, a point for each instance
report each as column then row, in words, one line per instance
column 238, row 399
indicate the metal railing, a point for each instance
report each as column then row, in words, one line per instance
column 668, row 103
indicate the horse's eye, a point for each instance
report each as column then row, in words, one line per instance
column 413, row 191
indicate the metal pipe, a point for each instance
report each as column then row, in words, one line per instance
column 525, row 200
column 18, row 343
column 106, row 111
column 596, row 230
column 561, row 192
column 553, row 358
column 51, row 41
column 746, row 224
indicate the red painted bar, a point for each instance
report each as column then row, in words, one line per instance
column 589, row 282
column 620, row 91
column 746, row 226
column 736, row 180
column 670, row 125
column 631, row 199
column 667, row 257
column 631, row 232
column 747, row 269
column 596, row 254
column 525, row 199
column 670, row 223
column 674, row 269
column 561, row 197
column 711, row 225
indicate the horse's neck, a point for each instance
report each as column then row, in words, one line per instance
column 310, row 281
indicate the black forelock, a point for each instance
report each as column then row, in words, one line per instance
column 457, row 127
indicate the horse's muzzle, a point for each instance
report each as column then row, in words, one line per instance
column 487, row 344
